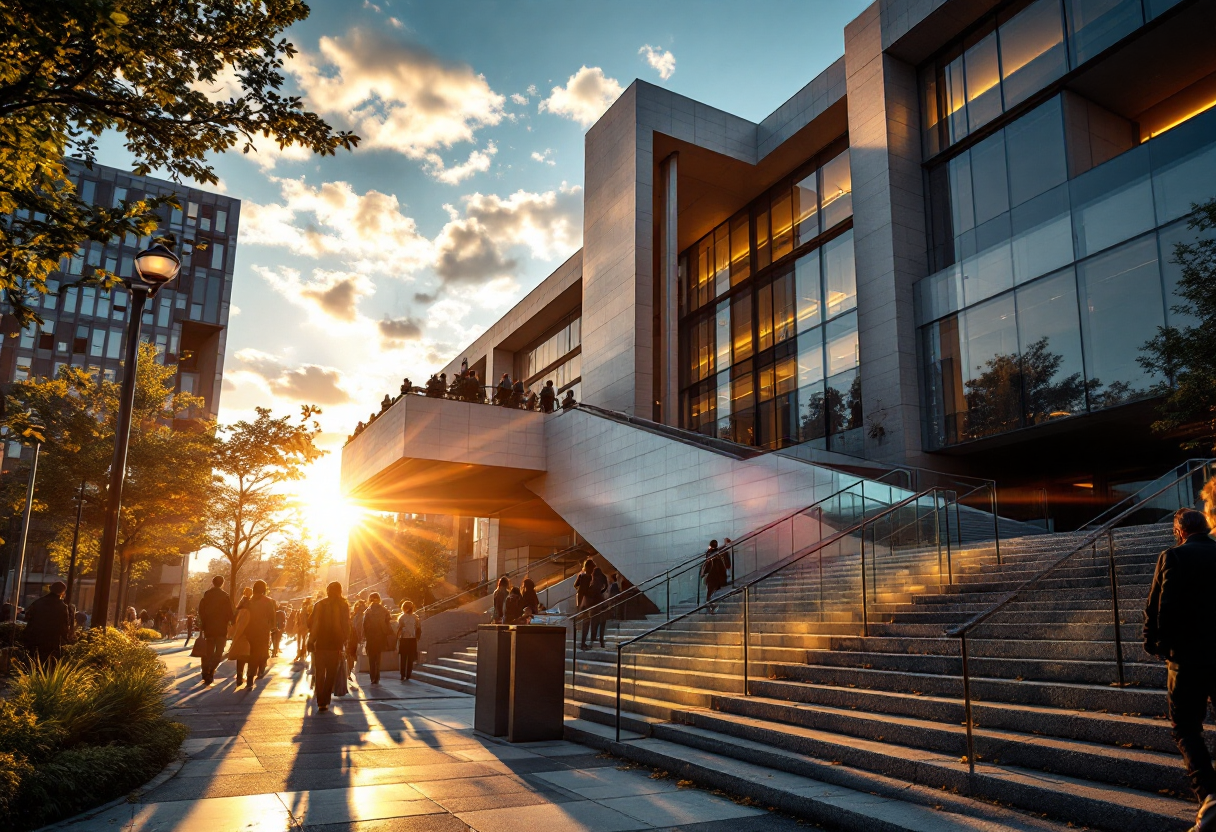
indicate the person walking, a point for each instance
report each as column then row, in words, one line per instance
column 48, row 623
column 301, row 631
column 261, row 624
column 409, row 630
column 548, row 398
column 329, row 628
column 238, row 650
column 280, row 624
column 356, row 635
column 1180, row 627
column 215, row 613
column 500, row 598
column 713, row 572
column 377, row 634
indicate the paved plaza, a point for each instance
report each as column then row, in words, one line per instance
column 395, row 757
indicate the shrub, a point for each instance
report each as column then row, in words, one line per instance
column 6, row 632
column 84, row 730
column 148, row 634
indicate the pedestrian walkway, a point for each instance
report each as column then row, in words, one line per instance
column 395, row 757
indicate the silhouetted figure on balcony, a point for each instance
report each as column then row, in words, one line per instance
column 530, row 599
column 548, row 398
column 1180, row 627
column 518, row 393
column 504, row 391
column 532, row 401
column 386, row 403
column 568, row 403
column 407, row 386
column 500, row 598
column 434, row 388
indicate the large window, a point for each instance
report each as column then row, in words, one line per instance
column 1013, row 54
column 760, row 297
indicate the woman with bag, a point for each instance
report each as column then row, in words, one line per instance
column 377, row 633
column 409, row 630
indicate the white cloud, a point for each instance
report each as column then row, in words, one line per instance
column 306, row 383
column 660, row 60
column 330, row 295
column 396, row 96
column 473, row 248
column 478, row 162
column 368, row 230
column 532, row 90
column 519, row 99
column 587, row 95
column 395, row 332
column 546, row 157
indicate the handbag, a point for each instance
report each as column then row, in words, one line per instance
column 340, row 686
column 199, row 650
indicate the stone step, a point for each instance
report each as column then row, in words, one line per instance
column 424, row 674
column 849, row 800
column 995, row 648
column 1076, row 800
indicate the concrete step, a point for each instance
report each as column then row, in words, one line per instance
column 868, row 803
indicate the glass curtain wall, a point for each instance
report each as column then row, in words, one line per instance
column 769, row 350
column 556, row 357
column 1044, row 317
column 1013, row 54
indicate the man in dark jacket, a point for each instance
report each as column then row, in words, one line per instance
column 215, row 613
column 329, row 628
column 48, row 622
column 261, row 622
column 1180, row 627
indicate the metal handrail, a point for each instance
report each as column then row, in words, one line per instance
column 810, row 550
column 429, row 609
column 1189, row 467
column 698, row 559
column 1089, row 541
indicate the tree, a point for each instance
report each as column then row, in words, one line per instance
column 300, row 562
column 179, row 79
column 247, row 505
column 168, row 464
column 423, row 555
column 1185, row 357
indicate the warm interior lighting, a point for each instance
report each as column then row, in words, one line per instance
column 1083, row 485
column 1203, row 109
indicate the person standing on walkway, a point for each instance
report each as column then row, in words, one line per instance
column 356, row 635
column 261, row 621
column 215, row 613
column 504, row 390
column 589, row 588
column 548, row 397
column 409, row 630
column 1180, row 627
column 377, row 634
column 48, row 622
column 329, row 627
column 500, row 599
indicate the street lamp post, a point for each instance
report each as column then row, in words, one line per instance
column 25, row 533
column 75, row 544
column 154, row 267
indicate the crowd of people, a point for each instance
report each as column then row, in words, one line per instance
column 328, row 633
column 466, row 386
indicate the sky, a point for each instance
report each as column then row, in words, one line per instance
column 357, row 270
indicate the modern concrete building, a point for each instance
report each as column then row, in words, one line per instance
column 944, row 251
column 84, row 326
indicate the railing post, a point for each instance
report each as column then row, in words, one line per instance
column 618, row 692
column 1114, row 598
column 574, row 659
column 746, row 630
column 667, row 584
column 996, row 522
column 967, row 703
column 865, row 618
column 949, row 564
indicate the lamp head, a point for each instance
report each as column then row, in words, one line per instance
column 157, row 265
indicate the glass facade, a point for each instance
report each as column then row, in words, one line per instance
column 84, row 325
column 1013, row 54
column 1048, row 286
column 768, row 328
column 556, row 357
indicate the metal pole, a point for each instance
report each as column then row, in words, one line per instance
column 667, row 584
column 865, row 618
column 746, row 629
column 1114, row 597
column 118, row 466
column 618, row 692
column 949, row 563
column 25, row 531
column 967, row 703
column 75, row 543
column 996, row 522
